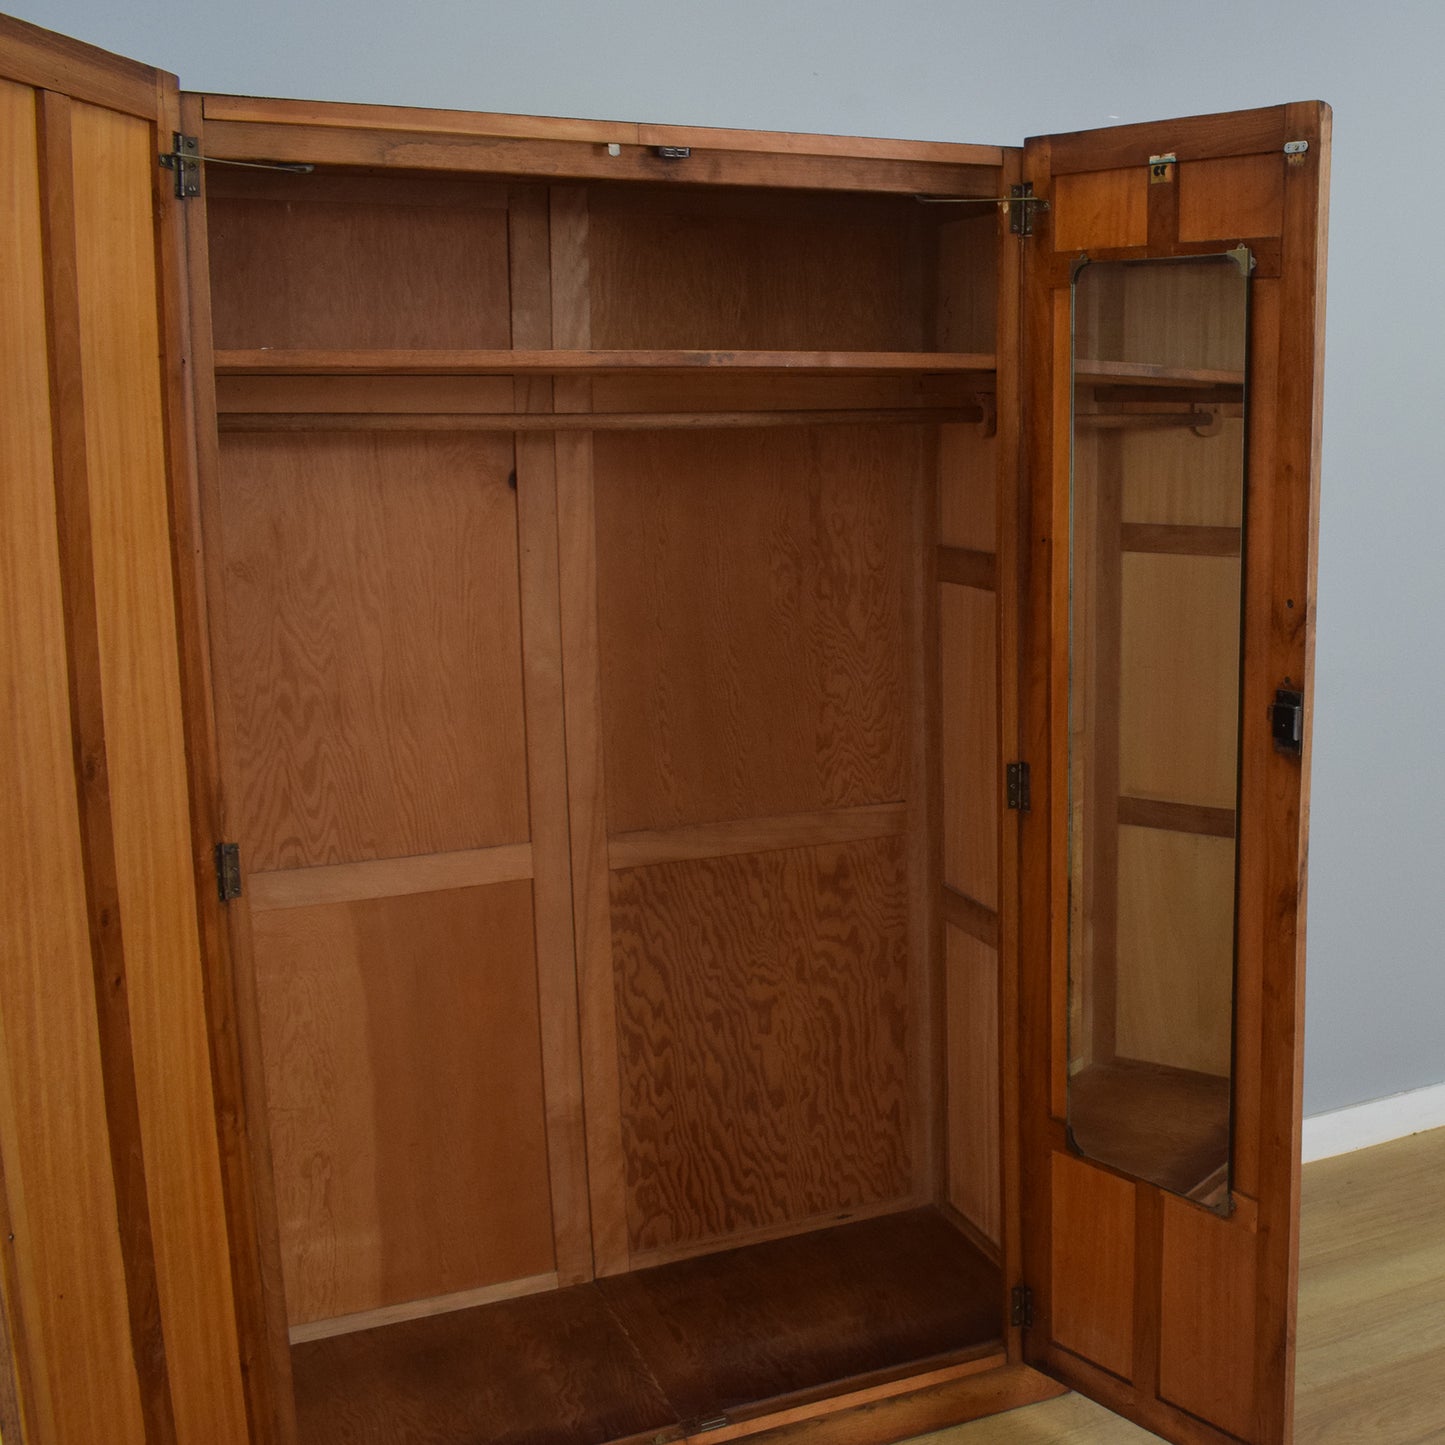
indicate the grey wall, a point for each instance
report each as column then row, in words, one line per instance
column 997, row 72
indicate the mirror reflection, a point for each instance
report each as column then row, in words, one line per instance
column 1155, row 574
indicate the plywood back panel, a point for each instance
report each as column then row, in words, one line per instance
column 968, row 649
column 762, row 1021
column 1175, row 971
column 967, row 488
column 971, row 990
column 373, row 645
column 300, row 261
column 750, row 595
column 674, row 268
column 404, row 1084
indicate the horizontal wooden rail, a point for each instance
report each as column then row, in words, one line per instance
column 644, row 847
column 315, row 362
column 967, row 568
column 388, row 877
column 277, row 421
column 976, row 919
column 1180, row 541
column 1177, row 817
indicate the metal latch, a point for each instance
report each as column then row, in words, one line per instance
column 1287, row 721
column 674, row 153
column 1296, row 147
column 1016, row 786
column 185, row 160
column 1161, row 168
column 1022, row 204
column 1021, row 1311
column 228, row 871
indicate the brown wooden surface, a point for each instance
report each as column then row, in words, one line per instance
column 1167, row 1125
column 440, row 361
column 970, row 762
column 392, row 1028
column 646, row 846
column 746, row 1333
column 466, row 122
column 1253, row 1395
column 350, row 265
column 53, row 1126
column 550, row 1369
column 1176, row 817
column 762, row 1022
column 332, row 141
column 1091, row 1272
column 1181, row 541
column 127, row 471
column 733, row 1330
column 971, row 917
column 750, row 595
column 732, row 270
column 47, row 61
column 357, row 734
column 971, row 993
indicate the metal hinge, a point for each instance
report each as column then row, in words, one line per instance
column 1287, row 721
column 228, row 871
column 1016, row 778
column 674, row 153
column 1021, row 1311
column 1021, row 207
column 185, row 160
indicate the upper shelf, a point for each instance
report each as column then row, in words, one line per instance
column 1143, row 373
column 278, row 362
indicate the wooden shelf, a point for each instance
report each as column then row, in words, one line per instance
column 279, row 362
column 1143, row 373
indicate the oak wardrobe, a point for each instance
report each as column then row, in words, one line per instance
column 657, row 778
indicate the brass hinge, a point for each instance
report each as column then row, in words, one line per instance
column 1016, row 779
column 184, row 158
column 1021, row 1312
column 1022, row 204
column 228, row 871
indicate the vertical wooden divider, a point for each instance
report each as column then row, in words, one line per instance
column 1012, row 535
column 586, row 785
column 536, row 470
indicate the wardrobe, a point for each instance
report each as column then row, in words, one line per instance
column 658, row 778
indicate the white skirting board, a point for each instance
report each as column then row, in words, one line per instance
column 1376, row 1122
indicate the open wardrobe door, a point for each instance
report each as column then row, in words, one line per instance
column 116, row 1289
column 1174, row 282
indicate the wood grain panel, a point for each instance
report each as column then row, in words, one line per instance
column 404, row 1082
column 1098, row 210
column 970, row 741
column 388, row 877
column 751, row 590
column 754, row 271
column 967, row 283
column 1173, row 477
column 1176, row 949
column 113, row 159
column 762, row 1018
column 1179, row 690
column 1232, row 197
column 374, row 646
column 967, row 488
column 1206, row 1323
column 71, row 1285
column 323, row 261
column 1092, row 1270
column 971, row 992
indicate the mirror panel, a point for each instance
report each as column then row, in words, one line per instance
column 1155, row 621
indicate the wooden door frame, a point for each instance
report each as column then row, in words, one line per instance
column 1285, row 491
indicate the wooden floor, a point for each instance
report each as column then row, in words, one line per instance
column 1371, row 1361
column 646, row 1354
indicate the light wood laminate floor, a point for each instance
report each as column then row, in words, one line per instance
column 1371, row 1361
